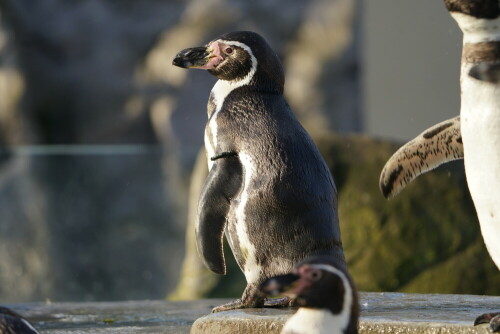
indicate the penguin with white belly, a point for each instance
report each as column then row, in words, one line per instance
column 268, row 186
column 474, row 135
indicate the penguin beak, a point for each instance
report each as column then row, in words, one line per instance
column 283, row 284
column 203, row 57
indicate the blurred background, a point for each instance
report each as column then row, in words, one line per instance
column 101, row 158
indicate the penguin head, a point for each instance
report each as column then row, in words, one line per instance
column 241, row 57
column 317, row 282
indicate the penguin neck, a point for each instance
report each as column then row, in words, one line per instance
column 481, row 41
column 344, row 310
column 223, row 88
column 478, row 30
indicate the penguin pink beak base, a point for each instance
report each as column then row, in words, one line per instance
column 283, row 284
column 325, row 294
column 202, row 57
column 292, row 285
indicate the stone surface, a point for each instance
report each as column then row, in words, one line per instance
column 380, row 313
column 115, row 317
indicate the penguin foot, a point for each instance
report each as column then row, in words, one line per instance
column 278, row 302
column 252, row 297
column 237, row 304
column 492, row 318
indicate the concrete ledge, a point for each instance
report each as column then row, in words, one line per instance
column 380, row 313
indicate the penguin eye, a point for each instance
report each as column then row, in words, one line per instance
column 315, row 275
column 228, row 50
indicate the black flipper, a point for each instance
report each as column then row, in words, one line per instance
column 223, row 183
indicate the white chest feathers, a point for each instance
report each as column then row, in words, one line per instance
column 478, row 30
column 314, row 321
column 219, row 93
column 481, row 139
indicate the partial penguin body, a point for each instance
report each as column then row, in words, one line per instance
column 268, row 187
column 13, row 323
column 326, row 296
column 480, row 126
column 475, row 134
column 286, row 193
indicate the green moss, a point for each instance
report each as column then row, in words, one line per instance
column 470, row 270
column 403, row 244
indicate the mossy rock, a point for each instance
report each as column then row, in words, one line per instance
column 426, row 240
column 408, row 243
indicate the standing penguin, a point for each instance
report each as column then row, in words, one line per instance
column 268, row 187
column 13, row 323
column 325, row 293
column 475, row 135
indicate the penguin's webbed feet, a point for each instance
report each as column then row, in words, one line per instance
column 278, row 302
column 492, row 318
column 252, row 297
column 236, row 304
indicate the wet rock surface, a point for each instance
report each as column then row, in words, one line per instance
column 380, row 313
column 115, row 317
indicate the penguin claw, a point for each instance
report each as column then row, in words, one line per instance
column 251, row 298
column 238, row 304
column 278, row 302
column 251, row 303
column 492, row 318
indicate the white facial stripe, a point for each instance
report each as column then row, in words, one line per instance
column 478, row 30
column 348, row 300
column 222, row 88
column 250, row 74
